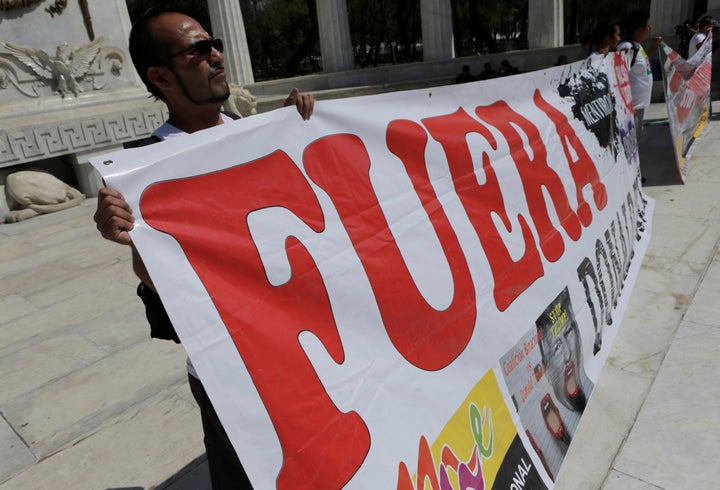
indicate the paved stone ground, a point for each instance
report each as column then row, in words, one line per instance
column 88, row 401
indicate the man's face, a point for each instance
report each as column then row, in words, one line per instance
column 561, row 351
column 646, row 30
column 562, row 355
column 200, row 78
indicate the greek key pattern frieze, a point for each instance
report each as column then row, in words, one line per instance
column 38, row 142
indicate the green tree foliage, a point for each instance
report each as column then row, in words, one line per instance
column 282, row 37
column 384, row 31
column 482, row 26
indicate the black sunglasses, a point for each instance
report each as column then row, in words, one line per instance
column 203, row 48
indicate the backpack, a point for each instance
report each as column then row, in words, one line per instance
column 635, row 50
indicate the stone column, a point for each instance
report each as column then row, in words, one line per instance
column 227, row 24
column 545, row 24
column 437, row 30
column 335, row 43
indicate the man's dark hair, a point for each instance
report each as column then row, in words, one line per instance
column 147, row 50
column 635, row 21
column 602, row 29
column 705, row 21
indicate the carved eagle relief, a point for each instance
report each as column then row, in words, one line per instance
column 68, row 65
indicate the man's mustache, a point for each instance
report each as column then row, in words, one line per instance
column 216, row 67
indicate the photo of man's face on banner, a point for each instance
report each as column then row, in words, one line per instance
column 545, row 375
column 561, row 351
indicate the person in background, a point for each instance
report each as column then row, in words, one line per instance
column 638, row 28
column 605, row 37
column 685, row 32
column 506, row 69
column 705, row 25
column 487, row 72
column 182, row 65
column 464, row 76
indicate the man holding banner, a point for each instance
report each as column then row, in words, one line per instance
column 637, row 30
column 182, row 65
column 416, row 287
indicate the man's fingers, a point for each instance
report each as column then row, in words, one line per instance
column 116, row 230
column 305, row 103
column 292, row 98
column 114, row 223
column 113, row 216
column 306, row 106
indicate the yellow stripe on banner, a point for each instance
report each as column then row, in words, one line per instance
column 678, row 154
column 702, row 122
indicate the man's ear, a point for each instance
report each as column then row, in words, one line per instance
column 159, row 76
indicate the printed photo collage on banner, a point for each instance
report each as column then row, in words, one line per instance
column 410, row 289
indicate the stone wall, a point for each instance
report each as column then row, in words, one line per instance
column 406, row 76
column 67, row 85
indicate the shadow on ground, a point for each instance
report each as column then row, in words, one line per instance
column 193, row 476
column 657, row 157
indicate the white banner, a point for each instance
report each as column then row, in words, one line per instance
column 412, row 287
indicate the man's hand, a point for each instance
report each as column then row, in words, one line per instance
column 114, row 218
column 303, row 102
column 656, row 43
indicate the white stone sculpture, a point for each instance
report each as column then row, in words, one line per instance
column 30, row 193
column 241, row 101
column 69, row 64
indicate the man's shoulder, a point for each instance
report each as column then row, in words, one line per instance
column 625, row 47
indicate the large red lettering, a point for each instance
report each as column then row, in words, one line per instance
column 480, row 201
column 583, row 169
column 427, row 338
column 322, row 447
column 536, row 175
column 623, row 80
